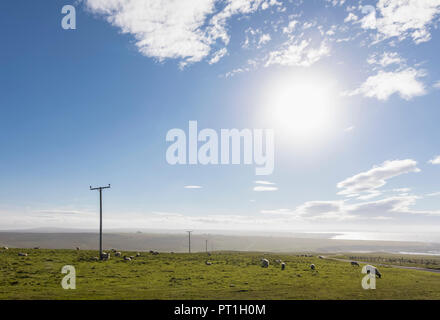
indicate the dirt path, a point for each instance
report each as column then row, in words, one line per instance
column 387, row 265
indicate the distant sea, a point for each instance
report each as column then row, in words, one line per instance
column 418, row 237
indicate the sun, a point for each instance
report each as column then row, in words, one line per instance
column 301, row 107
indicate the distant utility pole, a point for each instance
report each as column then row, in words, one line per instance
column 100, row 217
column 206, row 246
column 189, row 241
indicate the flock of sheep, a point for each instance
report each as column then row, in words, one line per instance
column 265, row 264
column 106, row 255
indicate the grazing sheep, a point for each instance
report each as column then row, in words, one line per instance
column 131, row 257
column 105, row 256
column 354, row 263
column 138, row 254
column 277, row 261
column 5, row 248
column 208, row 263
column 151, row 251
column 264, row 263
column 312, row 266
column 283, row 266
column 21, row 254
column 113, row 250
column 118, row 254
column 376, row 271
column 127, row 258
column 77, row 248
column 320, row 257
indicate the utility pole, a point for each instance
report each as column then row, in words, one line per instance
column 100, row 217
column 206, row 245
column 189, row 241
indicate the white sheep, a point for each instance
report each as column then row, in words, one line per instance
column 264, row 263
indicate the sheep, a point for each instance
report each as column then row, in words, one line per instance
column 208, row 263
column 105, row 256
column 283, row 266
column 5, row 248
column 320, row 257
column 118, row 254
column 354, row 263
column 138, row 254
column 277, row 261
column 131, row 257
column 21, row 254
column 77, row 248
column 376, row 271
column 312, row 266
column 127, row 258
column 264, row 263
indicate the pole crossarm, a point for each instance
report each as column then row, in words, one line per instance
column 100, row 188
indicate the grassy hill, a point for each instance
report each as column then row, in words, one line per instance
column 232, row 275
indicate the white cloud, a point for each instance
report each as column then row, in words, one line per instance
column 434, row 194
column 370, row 195
column 436, row 85
column 278, row 212
column 384, row 209
column 403, row 190
column 265, row 38
column 255, row 38
column 264, row 182
column 290, row 27
column 264, row 188
column 403, row 19
column 218, row 55
column 184, row 29
column 348, row 129
column 436, row 160
column 351, row 17
column 323, row 209
column 387, row 58
column 384, row 84
column 192, row 187
column 297, row 53
column 375, row 178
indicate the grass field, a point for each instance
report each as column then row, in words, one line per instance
column 232, row 275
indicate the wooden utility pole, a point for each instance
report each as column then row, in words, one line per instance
column 189, row 241
column 100, row 217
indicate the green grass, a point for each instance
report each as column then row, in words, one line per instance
column 232, row 275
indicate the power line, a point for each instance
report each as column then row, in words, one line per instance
column 100, row 217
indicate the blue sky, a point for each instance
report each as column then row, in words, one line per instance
column 93, row 106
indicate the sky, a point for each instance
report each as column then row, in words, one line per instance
column 350, row 89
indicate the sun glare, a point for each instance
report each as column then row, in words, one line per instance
column 301, row 108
